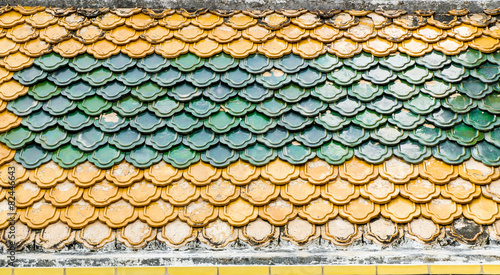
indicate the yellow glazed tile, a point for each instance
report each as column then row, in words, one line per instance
column 350, row 270
column 247, row 270
column 39, row 271
column 455, row 269
column 90, row 271
column 140, row 270
column 402, row 269
column 5, row 271
column 198, row 270
column 298, row 270
column 491, row 269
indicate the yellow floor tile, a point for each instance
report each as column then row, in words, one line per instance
column 491, row 269
column 38, row 271
column 129, row 270
column 90, row 271
column 350, row 270
column 402, row 269
column 296, row 270
column 244, row 270
column 192, row 270
column 5, row 271
column 455, row 269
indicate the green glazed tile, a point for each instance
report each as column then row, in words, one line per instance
column 106, row 156
column 459, row 103
column 406, row 120
column 294, row 121
column 184, row 123
column 255, row 93
column 164, row 139
column 84, row 63
column 238, row 107
column 444, row 118
column 181, row 157
column 450, row 152
column 184, row 92
column 199, row 107
column 474, row 88
column 94, row 105
column 126, row 139
column 129, row 106
column 296, row 154
column 481, row 120
column 143, row 157
column 388, row 135
column 238, row 139
column 434, row 60
column 487, row 72
column 313, row 136
column 365, row 91
column 75, row 121
column 148, row 91
column 369, row 119
column 17, row 138
column 32, row 156
column 168, row 77
column 202, row 77
column 50, row 61
column 119, row 63
column 411, row 151
column 89, row 139
column 328, row 92
column 133, row 77
column 308, row 78
column 237, row 78
column 273, row 79
column 452, row 73
column 59, row 106
column 166, row 106
column 493, row 58
column 492, row 136
column 470, row 58
column 276, row 137
column 24, row 105
column 384, row 105
column 147, row 122
column 221, row 122
column 491, row 103
column 256, row 63
column 401, row 90
column 379, row 75
column 39, row 121
column 187, row 62
column 309, row 107
column 373, row 152
column 221, row 62
column 351, row 135
column 78, row 91
column 200, row 139
column 344, row 76
column 52, row 138
column 111, row 122
column 258, row 154
column 428, row 135
column 416, row 75
column 44, row 90
column 464, row 135
column 99, row 76
column 153, row 63
column 397, row 61
column 486, row 153
column 68, row 156
column 347, row 106
column 438, row 88
column 292, row 93
column 219, row 92
column 290, row 63
column 31, row 75
column 334, row 153
column 219, row 156
column 361, row 61
column 257, row 123
column 332, row 121
column 325, row 62
column 422, row 104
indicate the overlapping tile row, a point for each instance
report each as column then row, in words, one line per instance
column 32, row 32
column 222, row 205
column 222, row 109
